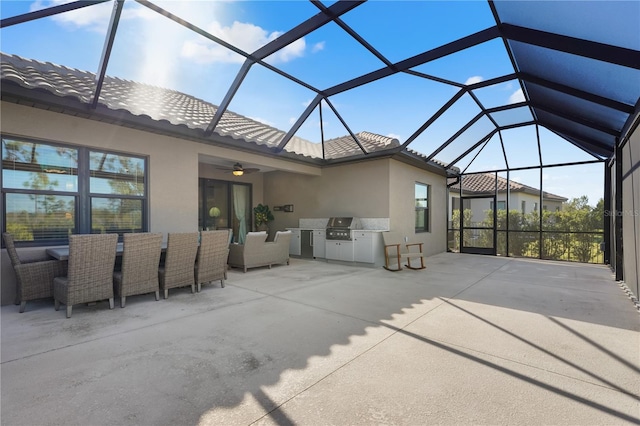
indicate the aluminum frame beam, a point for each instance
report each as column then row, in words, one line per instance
column 50, row 11
column 576, row 46
column 106, row 51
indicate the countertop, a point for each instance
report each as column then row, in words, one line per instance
column 323, row 229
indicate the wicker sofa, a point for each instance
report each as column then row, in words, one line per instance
column 256, row 251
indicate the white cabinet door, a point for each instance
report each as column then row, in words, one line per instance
column 332, row 250
column 339, row 250
column 294, row 245
column 319, row 239
column 363, row 247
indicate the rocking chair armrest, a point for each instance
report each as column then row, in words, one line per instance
column 415, row 244
column 397, row 246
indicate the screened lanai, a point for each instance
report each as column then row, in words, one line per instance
column 536, row 94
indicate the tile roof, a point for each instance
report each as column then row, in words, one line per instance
column 176, row 108
column 346, row 145
column 486, row 183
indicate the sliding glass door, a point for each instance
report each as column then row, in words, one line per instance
column 225, row 205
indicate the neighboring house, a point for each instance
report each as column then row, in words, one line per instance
column 522, row 198
column 144, row 159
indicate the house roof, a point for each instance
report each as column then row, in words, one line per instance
column 176, row 108
column 576, row 65
column 486, row 183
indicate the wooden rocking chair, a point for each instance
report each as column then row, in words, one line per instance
column 395, row 249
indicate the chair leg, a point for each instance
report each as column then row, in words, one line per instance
column 123, row 301
column 69, row 307
column 399, row 268
column 199, row 287
column 111, row 303
column 166, row 293
column 416, row 268
column 23, row 304
column 157, row 295
column 222, row 283
column 56, row 304
column 193, row 288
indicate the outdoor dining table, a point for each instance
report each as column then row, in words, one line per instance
column 62, row 252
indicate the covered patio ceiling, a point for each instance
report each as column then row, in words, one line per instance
column 391, row 80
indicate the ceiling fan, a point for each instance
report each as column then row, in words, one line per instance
column 238, row 170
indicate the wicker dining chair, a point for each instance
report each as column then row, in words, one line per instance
column 180, row 260
column 34, row 280
column 90, row 271
column 211, row 263
column 140, row 261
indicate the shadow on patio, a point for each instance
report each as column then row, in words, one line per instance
column 469, row 340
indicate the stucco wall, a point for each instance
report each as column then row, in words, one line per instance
column 631, row 212
column 173, row 168
column 357, row 189
column 255, row 179
column 373, row 189
column 402, row 179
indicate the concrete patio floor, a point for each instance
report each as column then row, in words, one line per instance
column 470, row 340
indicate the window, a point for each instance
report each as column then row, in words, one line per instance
column 117, row 188
column 422, row 207
column 523, row 205
column 51, row 191
column 502, row 205
column 455, row 204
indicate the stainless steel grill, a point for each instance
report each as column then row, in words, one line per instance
column 339, row 228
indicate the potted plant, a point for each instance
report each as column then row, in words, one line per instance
column 262, row 215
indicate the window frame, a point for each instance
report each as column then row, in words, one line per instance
column 82, row 196
column 426, row 210
column 502, row 205
column 228, row 188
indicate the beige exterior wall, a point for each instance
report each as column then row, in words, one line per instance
column 380, row 188
column 402, row 180
column 174, row 168
column 357, row 189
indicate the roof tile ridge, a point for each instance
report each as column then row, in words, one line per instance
column 385, row 140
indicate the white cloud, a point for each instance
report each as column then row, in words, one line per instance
column 307, row 103
column 246, row 36
column 262, row 120
column 204, row 53
column 473, row 80
column 94, row 18
column 394, row 136
column 292, row 51
column 318, row 47
column 516, row 97
column 292, row 120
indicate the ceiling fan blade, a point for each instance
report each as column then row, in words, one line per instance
column 236, row 167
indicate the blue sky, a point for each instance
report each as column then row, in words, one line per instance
column 151, row 49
